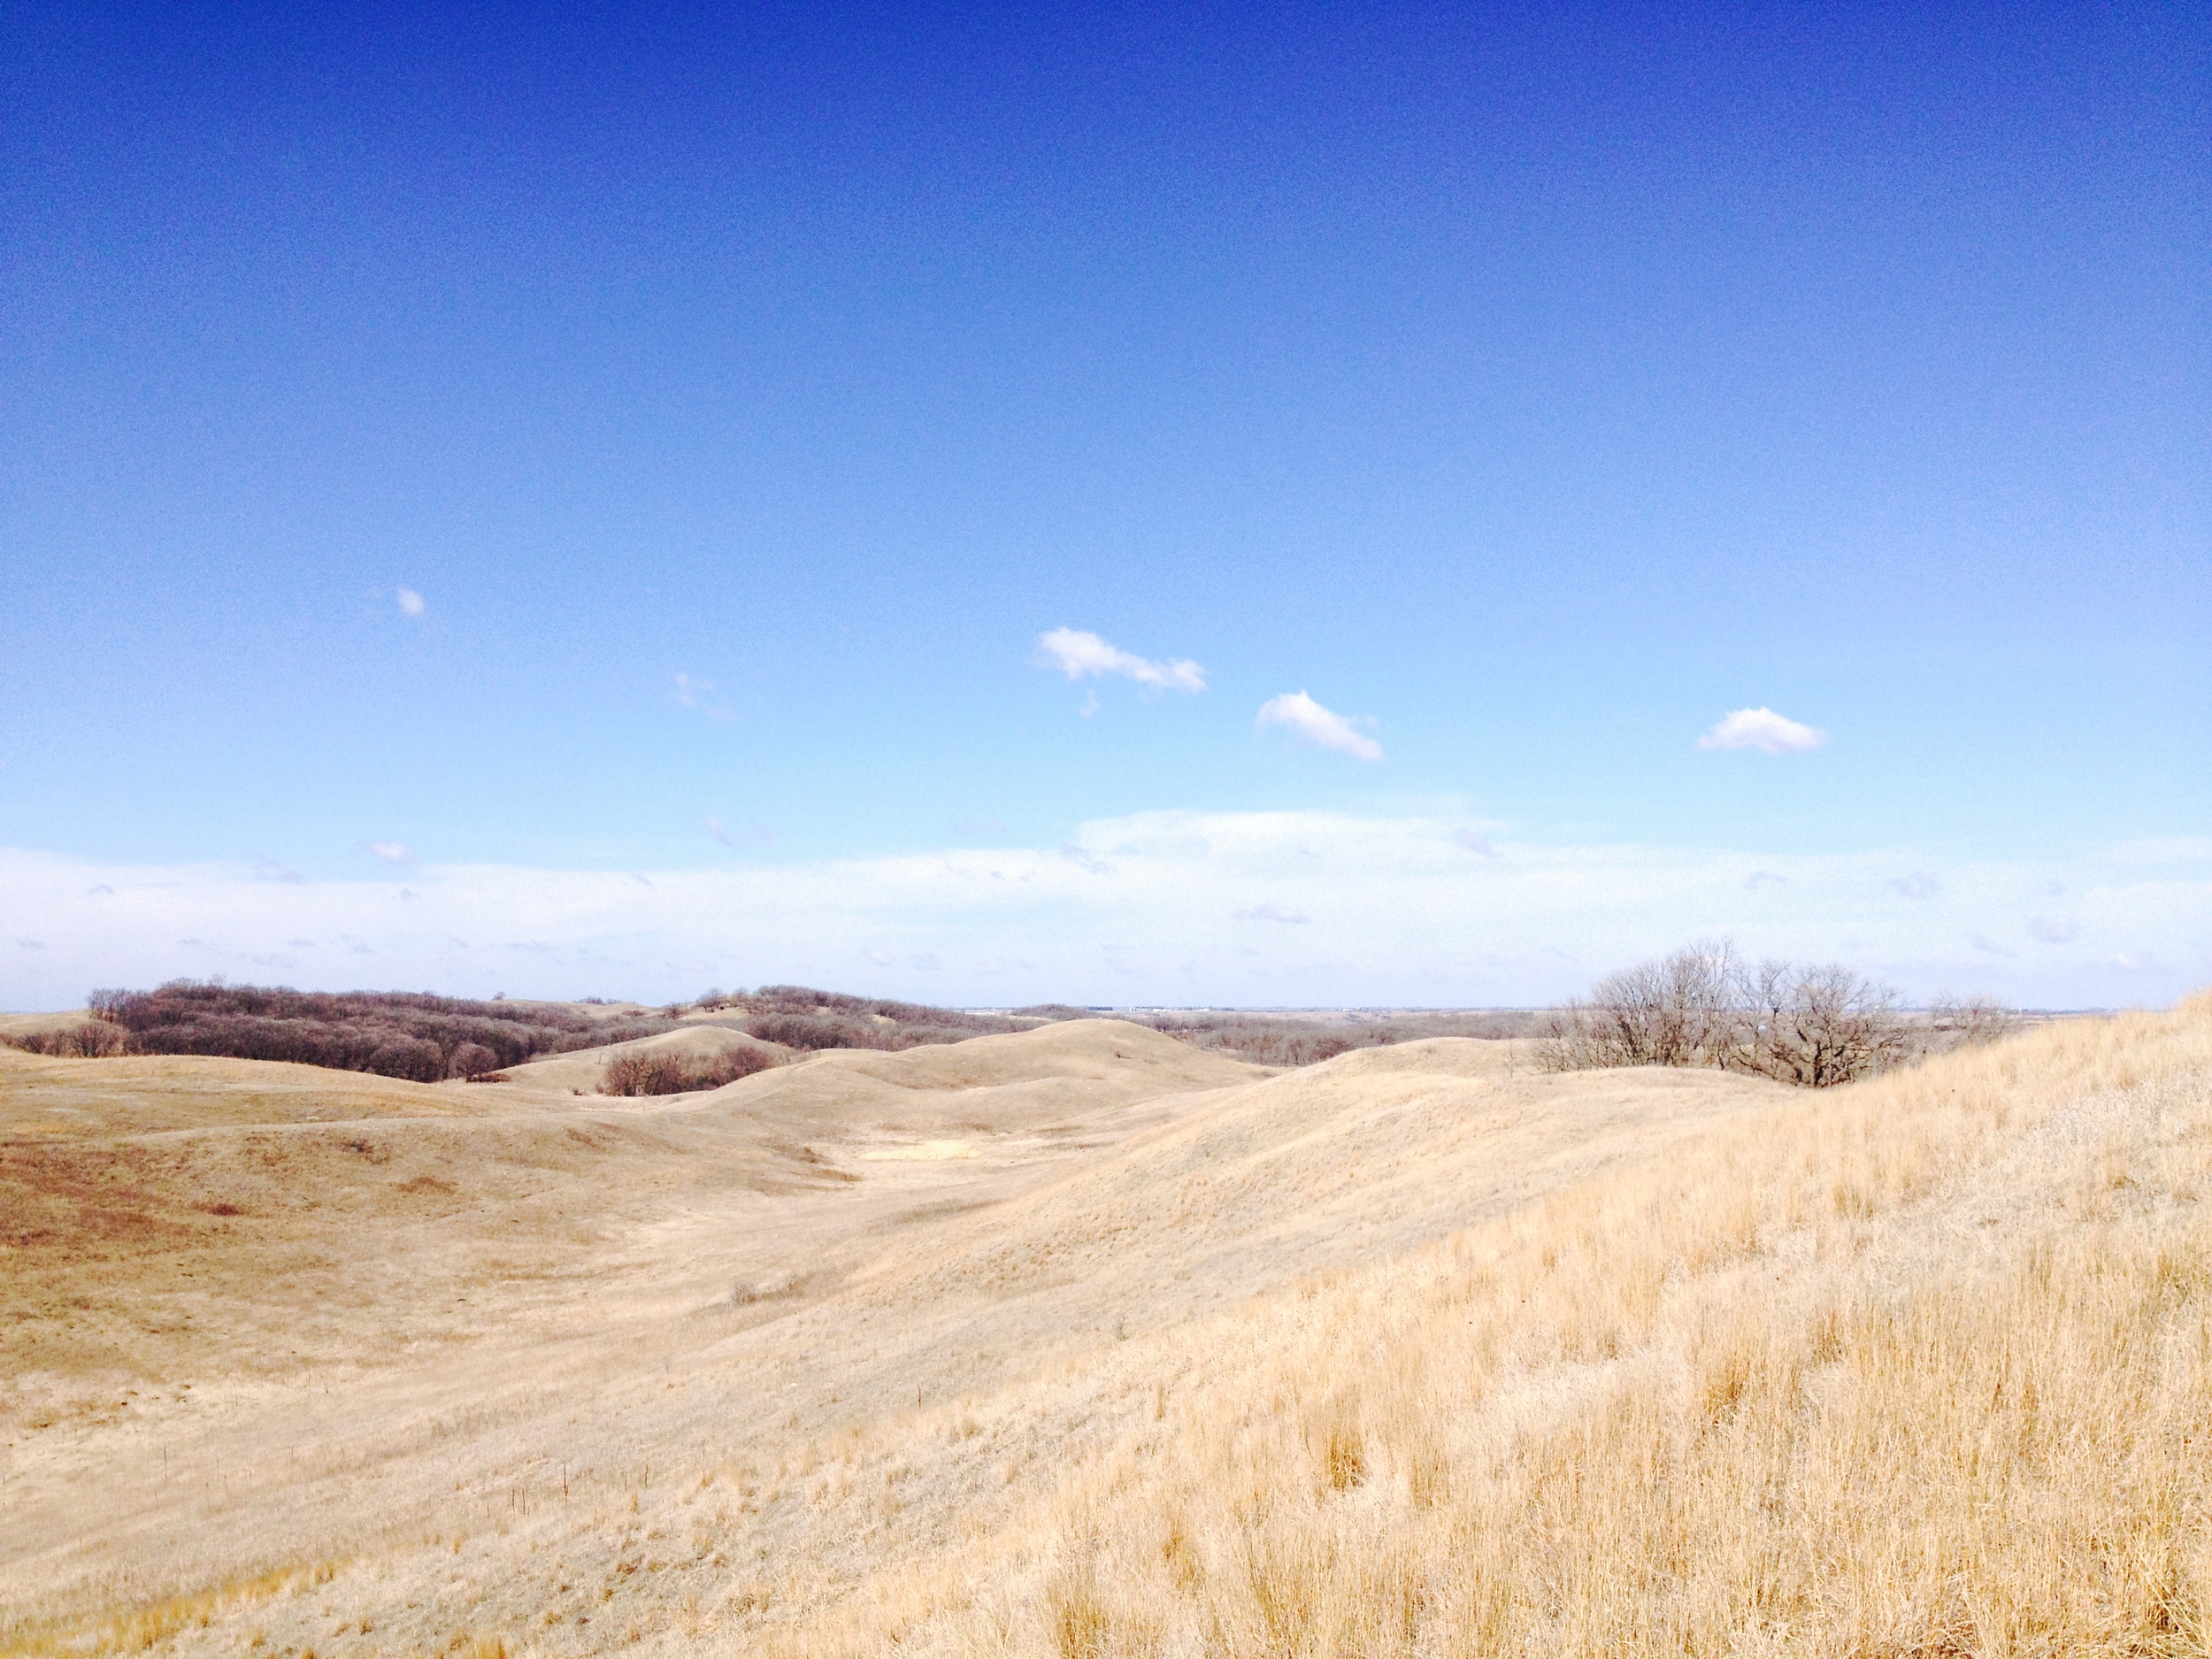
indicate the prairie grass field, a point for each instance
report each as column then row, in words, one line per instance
column 1086, row 1340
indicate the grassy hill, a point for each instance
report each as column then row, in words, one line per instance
column 1083, row 1341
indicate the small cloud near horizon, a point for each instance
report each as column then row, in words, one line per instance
column 1759, row 879
column 99, row 890
column 739, row 839
column 1478, row 845
column 1300, row 714
column 393, row 852
column 1083, row 858
column 1762, row 729
column 1083, row 655
column 1276, row 913
column 2053, row 930
column 410, row 603
column 1921, row 884
column 691, row 693
column 270, row 870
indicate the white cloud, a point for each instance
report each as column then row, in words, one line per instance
column 392, row 852
column 1921, row 884
column 1475, row 842
column 738, row 839
column 1399, row 916
column 410, row 603
column 1296, row 713
column 1081, row 656
column 693, row 694
column 1766, row 731
column 1083, row 858
column 2053, row 930
column 1275, row 913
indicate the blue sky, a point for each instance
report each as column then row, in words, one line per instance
column 576, row 454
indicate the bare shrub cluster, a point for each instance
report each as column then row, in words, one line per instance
column 651, row 1073
column 92, row 1040
column 800, row 1016
column 394, row 1034
column 1703, row 1006
column 1267, row 1040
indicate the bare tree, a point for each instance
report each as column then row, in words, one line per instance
column 1970, row 1021
column 1703, row 1006
column 471, row 1060
column 1817, row 1026
column 1676, row 1010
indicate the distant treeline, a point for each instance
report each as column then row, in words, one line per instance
column 799, row 1016
column 393, row 1033
column 427, row 1038
column 1276, row 1040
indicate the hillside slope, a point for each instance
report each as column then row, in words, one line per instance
column 1081, row 1341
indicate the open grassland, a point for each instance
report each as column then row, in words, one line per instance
column 1083, row 1342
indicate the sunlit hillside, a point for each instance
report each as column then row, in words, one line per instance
column 1085, row 1341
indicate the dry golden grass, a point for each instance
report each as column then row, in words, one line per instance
column 1923, row 1368
column 1410, row 1353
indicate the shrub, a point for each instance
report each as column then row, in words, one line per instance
column 643, row 1074
column 731, row 1064
column 1970, row 1021
column 358, row 1031
column 414, row 1058
column 93, row 1039
column 663, row 1073
column 1812, row 1026
column 810, row 1032
column 471, row 1060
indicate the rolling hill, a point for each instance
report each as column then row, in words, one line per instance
column 1082, row 1340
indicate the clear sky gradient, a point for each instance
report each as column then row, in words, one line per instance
column 1245, row 506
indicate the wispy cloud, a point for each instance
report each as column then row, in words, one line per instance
column 741, row 838
column 1081, row 656
column 1083, row 858
column 393, row 852
column 1921, row 884
column 1399, row 915
column 1275, row 913
column 1759, row 879
column 270, row 870
column 2053, row 930
column 410, row 603
column 1300, row 714
column 1764, row 730
column 698, row 693
column 1475, row 842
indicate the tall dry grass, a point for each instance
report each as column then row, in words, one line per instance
column 1920, row 1366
